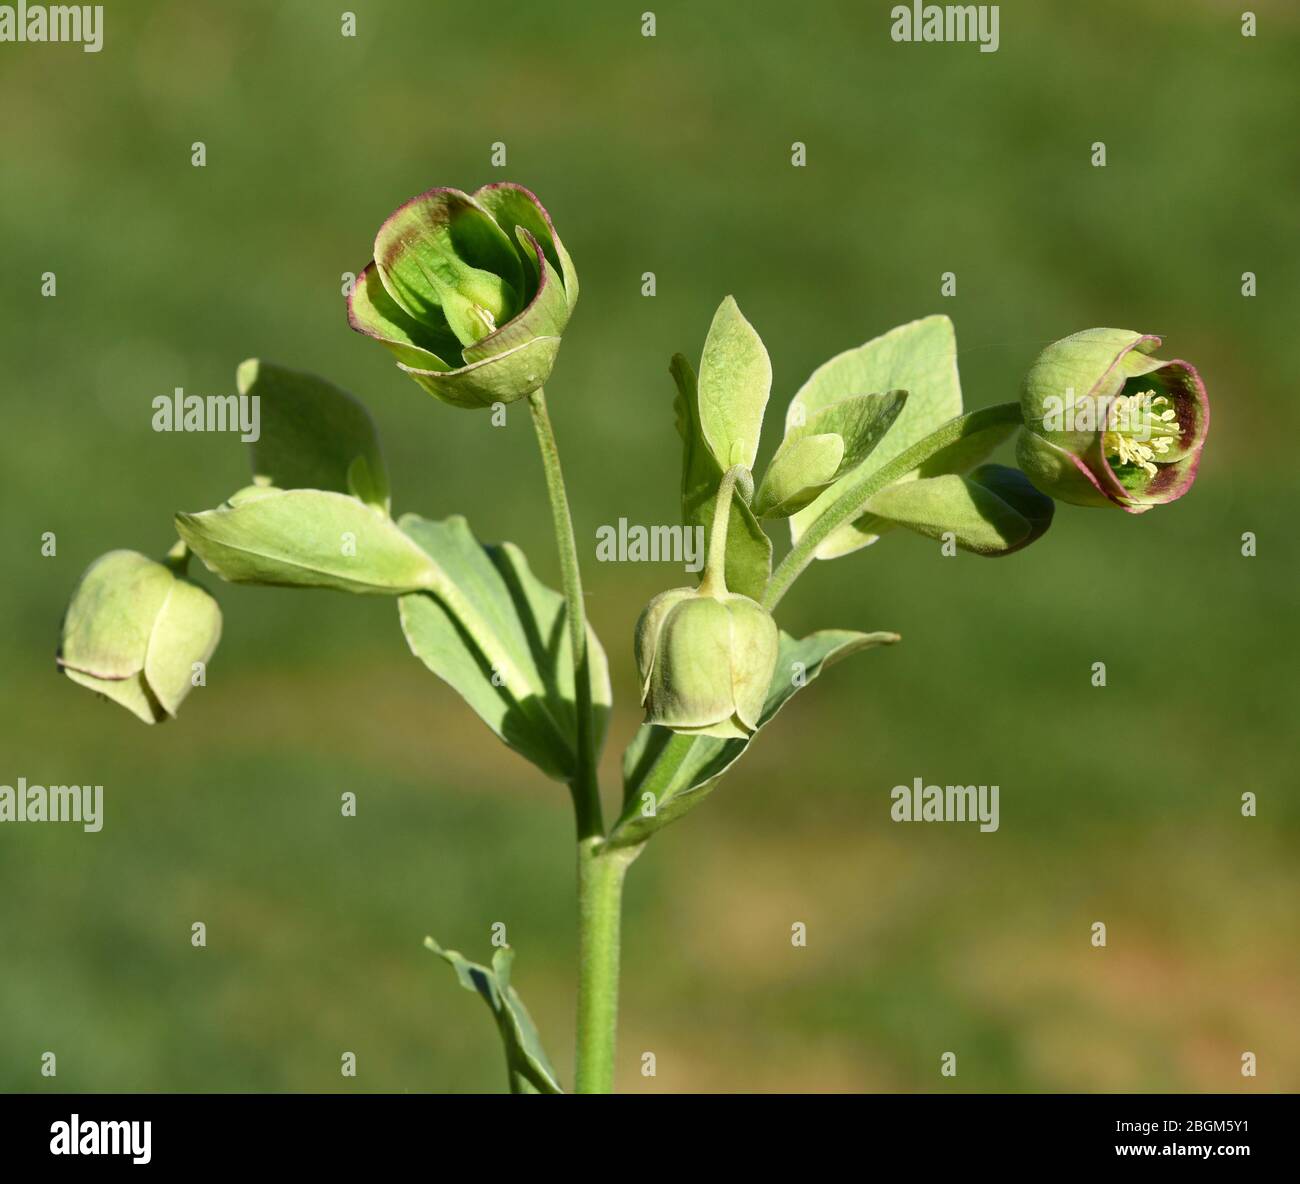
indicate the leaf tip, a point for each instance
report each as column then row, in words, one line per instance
column 246, row 374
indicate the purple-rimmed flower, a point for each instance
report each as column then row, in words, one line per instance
column 471, row 292
column 1106, row 424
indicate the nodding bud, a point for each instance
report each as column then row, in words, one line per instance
column 134, row 631
column 470, row 292
column 706, row 662
column 1106, row 424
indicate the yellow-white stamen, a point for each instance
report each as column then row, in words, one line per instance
column 1132, row 422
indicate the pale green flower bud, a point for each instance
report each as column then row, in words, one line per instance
column 134, row 631
column 706, row 662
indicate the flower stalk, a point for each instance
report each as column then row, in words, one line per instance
column 600, row 872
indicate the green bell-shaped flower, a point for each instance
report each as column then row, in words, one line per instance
column 1108, row 425
column 706, row 656
column 470, row 292
column 134, row 631
column 706, row 662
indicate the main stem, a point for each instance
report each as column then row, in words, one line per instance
column 600, row 871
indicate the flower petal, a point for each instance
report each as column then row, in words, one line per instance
column 502, row 378
column 443, row 251
column 513, row 206
column 545, row 316
column 372, row 311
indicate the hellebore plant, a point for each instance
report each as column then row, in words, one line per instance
column 471, row 293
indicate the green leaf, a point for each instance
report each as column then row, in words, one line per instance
column 967, row 451
column 526, row 1061
column 800, row 470
column 313, row 435
column 920, row 358
column 749, row 550
column 735, row 381
column 306, row 538
column 500, row 638
column 993, row 511
column 675, row 772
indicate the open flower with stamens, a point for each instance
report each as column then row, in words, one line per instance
column 470, row 292
column 1106, row 424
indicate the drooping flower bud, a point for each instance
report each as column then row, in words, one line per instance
column 134, row 630
column 470, row 292
column 1108, row 425
column 706, row 656
column 706, row 662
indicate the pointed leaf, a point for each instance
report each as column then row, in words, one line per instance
column 802, row 467
column 526, row 1061
column 862, row 421
column 313, row 435
column 675, row 772
column 859, row 422
column 306, row 538
column 500, row 638
column 735, row 381
column 749, row 550
column 993, row 511
column 920, row 358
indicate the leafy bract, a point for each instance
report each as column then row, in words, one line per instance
column 306, row 538
column 920, row 358
column 834, row 440
column 667, row 773
column 526, row 1061
column 313, row 435
column 735, row 381
column 500, row 638
column 994, row 510
column 749, row 550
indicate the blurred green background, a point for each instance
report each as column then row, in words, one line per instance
column 669, row 155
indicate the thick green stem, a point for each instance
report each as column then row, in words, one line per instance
column 600, row 903
column 600, row 871
column 585, row 787
column 855, row 490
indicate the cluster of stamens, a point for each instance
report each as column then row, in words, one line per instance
column 1132, row 425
